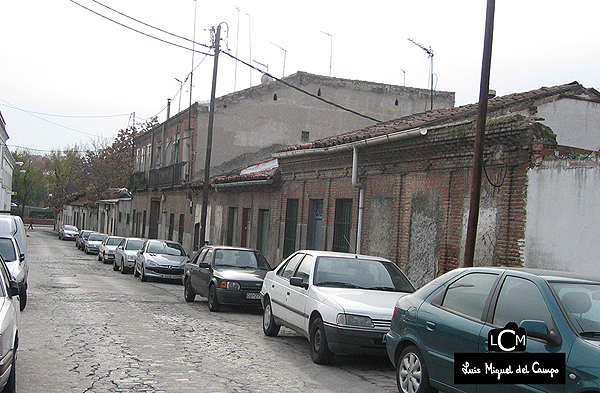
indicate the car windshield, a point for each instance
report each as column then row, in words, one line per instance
column 134, row 244
column 360, row 273
column 7, row 250
column 581, row 305
column 70, row 228
column 86, row 234
column 166, row 248
column 241, row 259
column 113, row 241
column 96, row 237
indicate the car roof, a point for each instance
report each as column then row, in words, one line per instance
column 545, row 274
column 220, row 247
column 318, row 253
column 8, row 226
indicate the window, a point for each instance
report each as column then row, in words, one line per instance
column 468, row 294
column 342, row 225
column 232, row 219
column 171, row 226
column 305, row 268
column 305, row 136
column 291, row 222
column 289, row 268
column 181, row 228
column 315, row 225
column 520, row 299
column 196, row 236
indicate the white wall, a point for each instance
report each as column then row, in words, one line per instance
column 563, row 210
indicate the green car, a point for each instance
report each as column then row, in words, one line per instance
column 498, row 330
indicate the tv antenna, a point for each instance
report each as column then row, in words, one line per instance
column 429, row 52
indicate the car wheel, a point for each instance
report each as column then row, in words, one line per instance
column 319, row 349
column 135, row 271
column 101, row 258
column 188, row 291
column 143, row 275
column 213, row 301
column 122, row 267
column 11, row 384
column 270, row 328
column 115, row 266
column 22, row 297
column 411, row 373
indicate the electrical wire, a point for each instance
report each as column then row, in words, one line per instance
column 8, row 104
column 135, row 30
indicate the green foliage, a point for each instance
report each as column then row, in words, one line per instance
column 29, row 183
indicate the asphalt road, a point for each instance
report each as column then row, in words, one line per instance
column 87, row 328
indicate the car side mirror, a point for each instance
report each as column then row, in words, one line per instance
column 13, row 289
column 539, row 329
column 298, row 282
column 21, row 257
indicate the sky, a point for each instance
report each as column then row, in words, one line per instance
column 70, row 77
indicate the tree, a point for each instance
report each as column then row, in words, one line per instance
column 65, row 173
column 29, row 183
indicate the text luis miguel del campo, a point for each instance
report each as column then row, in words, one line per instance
column 506, row 366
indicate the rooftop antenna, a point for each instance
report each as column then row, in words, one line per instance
column 330, row 50
column 284, row 56
column 429, row 52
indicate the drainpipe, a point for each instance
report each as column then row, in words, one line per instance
column 361, row 198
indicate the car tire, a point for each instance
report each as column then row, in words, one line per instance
column 143, row 276
column 411, row 373
column 101, row 258
column 213, row 300
column 319, row 348
column 115, row 266
column 270, row 328
column 22, row 297
column 11, row 384
column 188, row 292
column 122, row 267
column 135, row 271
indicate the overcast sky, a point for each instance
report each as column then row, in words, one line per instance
column 69, row 76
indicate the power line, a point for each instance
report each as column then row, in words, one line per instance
column 8, row 104
column 137, row 31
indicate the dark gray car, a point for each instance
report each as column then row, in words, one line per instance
column 225, row 275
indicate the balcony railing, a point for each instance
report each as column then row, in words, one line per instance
column 167, row 177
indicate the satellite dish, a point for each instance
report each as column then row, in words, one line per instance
column 266, row 79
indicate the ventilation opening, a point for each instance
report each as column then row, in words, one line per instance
column 319, row 93
column 305, row 136
column 396, row 102
column 275, row 97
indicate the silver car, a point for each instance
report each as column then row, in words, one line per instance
column 92, row 243
column 16, row 264
column 106, row 252
column 9, row 329
column 160, row 259
column 125, row 254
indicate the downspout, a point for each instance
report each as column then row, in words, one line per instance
column 361, row 198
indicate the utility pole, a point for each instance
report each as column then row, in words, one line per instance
column 484, row 90
column 211, row 121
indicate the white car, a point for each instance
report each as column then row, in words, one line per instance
column 9, row 329
column 125, row 254
column 106, row 252
column 343, row 303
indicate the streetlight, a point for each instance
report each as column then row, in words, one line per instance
column 330, row 50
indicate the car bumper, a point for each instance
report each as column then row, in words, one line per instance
column 239, row 297
column 128, row 264
column 109, row 257
column 161, row 272
column 67, row 236
column 344, row 340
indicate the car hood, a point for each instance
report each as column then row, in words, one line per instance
column 94, row 242
column 70, row 232
column 361, row 301
column 163, row 259
column 240, row 274
column 110, row 248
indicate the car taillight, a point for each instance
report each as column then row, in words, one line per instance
column 395, row 312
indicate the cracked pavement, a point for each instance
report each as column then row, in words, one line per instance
column 89, row 329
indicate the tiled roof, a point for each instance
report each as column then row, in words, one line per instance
column 496, row 107
column 262, row 170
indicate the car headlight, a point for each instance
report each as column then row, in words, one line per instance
column 354, row 320
column 150, row 262
column 230, row 285
column 131, row 257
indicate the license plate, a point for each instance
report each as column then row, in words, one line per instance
column 252, row 295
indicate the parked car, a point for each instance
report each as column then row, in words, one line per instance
column 225, row 275
column 15, row 262
column 91, row 245
column 68, row 232
column 342, row 303
column 9, row 329
column 106, row 251
column 125, row 254
column 559, row 311
column 11, row 227
column 81, row 238
column 160, row 259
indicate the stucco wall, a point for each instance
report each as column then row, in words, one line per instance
column 562, row 216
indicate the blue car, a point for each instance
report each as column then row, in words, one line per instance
column 449, row 334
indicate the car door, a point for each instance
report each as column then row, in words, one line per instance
column 297, row 297
column 452, row 323
column 205, row 271
column 521, row 299
column 194, row 269
column 280, row 285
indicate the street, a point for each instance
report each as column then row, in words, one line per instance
column 88, row 328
